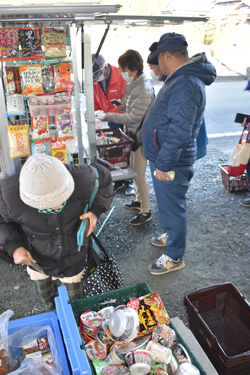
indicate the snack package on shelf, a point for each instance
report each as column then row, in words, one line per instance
column 13, row 80
column 54, row 42
column 18, row 140
column 40, row 126
column 31, row 79
column 59, row 150
column 48, row 78
column 64, row 125
column 30, row 39
column 4, row 345
column 62, row 76
column 9, row 44
column 15, row 105
column 41, row 147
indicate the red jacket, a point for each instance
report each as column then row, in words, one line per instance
column 116, row 90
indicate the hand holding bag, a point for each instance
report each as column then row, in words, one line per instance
column 240, row 156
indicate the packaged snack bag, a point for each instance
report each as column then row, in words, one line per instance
column 15, row 105
column 40, row 147
column 54, row 42
column 13, row 80
column 59, row 150
column 31, row 79
column 64, row 125
column 48, row 78
column 30, row 39
column 9, row 45
column 40, row 127
column 62, row 76
column 18, row 140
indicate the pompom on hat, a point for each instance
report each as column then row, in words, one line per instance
column 45, row 182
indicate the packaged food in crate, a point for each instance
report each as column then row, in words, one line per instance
column 219, row 317
column 233, row 183
column 117, row 148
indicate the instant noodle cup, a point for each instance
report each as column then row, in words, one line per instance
column 103, row 338
column 106, row 312
column 116, row 370
column 180, row 354
column 114, row 358
column 172, row 367
column 164, row 335
column 95, row 350
column 160, row 354
column 124, row 324
column 90, row 322
column 139, row 361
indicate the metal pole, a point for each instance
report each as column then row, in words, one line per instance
column 89, row 92
column 77, row 93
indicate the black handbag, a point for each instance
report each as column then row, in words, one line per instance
column 102, row 273
column 135, row 144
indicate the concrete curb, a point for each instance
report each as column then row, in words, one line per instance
column 231, row 78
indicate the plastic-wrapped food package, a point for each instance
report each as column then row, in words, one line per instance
column 30, row 39
column 40, row 127
column 13, row 80
column 62, row 76
column 48, row 78
column 4, row 345
column 15, row 105
column 59, row 150
column 18, row 140
column 9, row 44
column 64, row 125
column 54, row 42
column 31, row 79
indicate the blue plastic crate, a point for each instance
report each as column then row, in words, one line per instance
column 51, row 320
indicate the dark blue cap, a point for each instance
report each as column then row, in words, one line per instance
column 247, row 88
column 170, row 42
column 98, row 66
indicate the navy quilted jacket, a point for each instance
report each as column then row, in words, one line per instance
column 174, row 119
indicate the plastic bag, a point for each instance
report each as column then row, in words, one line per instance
column 64, row 125
column 62, row 74
column 15, row 105
column 40, row 127
column 59, row 150
column 31, row 79
column 35, row 343
column 13, row 80
column 30, row 39
column 9, row 44
column 18, row 140
column 54, row 42
column 4, row 347
column 34, row 367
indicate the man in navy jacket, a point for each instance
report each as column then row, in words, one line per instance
column 170, row 130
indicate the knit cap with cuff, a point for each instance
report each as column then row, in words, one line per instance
column 45, row 182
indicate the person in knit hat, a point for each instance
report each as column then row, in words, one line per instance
column 40, row 209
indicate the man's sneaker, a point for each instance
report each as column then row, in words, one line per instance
column 129, row 190
column 165, row 264
column 133, row 205
column 160, row 241
column 245, row 202
column 117, row 186
column 141, row 218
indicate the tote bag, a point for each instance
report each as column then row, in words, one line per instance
column 240, row 156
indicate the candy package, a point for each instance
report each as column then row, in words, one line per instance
column 13, row 80
column 54, row 42
column 31, row 79
column 40, row 126
column 59, row 150
column 9, row 44
column 40, row 147
column 64, row 125
column 15, row 105
column 18, row 140
column 30, row 39
column 48, row 78
column 62, row 76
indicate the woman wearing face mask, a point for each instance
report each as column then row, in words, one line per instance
column 138, row 96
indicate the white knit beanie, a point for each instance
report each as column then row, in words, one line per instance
column 45, row 182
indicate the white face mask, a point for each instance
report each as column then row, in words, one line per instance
column 101, row 78
column 154, row 76
column 126, row 77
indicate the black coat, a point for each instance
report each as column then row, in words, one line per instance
column 52, row 238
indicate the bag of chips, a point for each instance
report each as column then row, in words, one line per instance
column 54, row 42
column 59, row 150
column 64, row 125
column 15, row 105
column 48, row 78
column 31, row 79
column 62, row 76
column 40, row 126
column 30, row 39
column 13, row 80
column 18, row 140
column 9, row 44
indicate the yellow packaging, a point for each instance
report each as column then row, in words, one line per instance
column 31, row 79
column 18, row 140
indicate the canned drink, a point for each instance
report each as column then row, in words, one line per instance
column 43, row 108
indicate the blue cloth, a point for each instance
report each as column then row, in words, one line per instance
column 114, row 125
column 173, row 122
column 202, row 141
column 171, row 201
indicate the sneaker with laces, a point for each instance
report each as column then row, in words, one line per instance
column 141, row 218
column 133, row 205
column 117, row 186
column 165, row 265
column 160, row 241
column 245, row 202
column 129, row 190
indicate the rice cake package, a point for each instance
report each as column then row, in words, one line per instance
column 151, row 312
column 9, row 44
column 54, row 42
column 30, row 39
column 18, row 140
column 13, row 80
column 62, row 76
column 31, row 79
